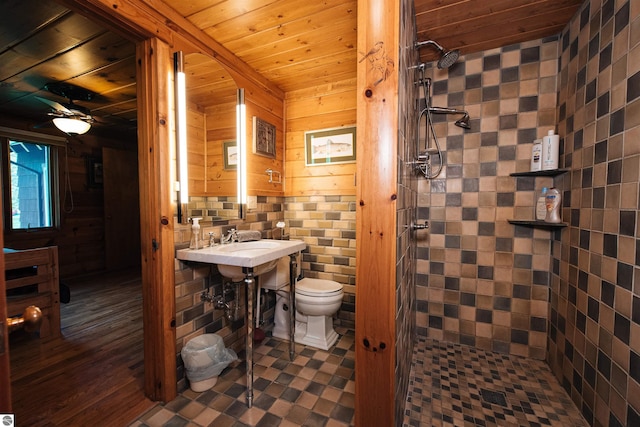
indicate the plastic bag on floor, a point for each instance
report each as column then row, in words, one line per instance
column 205, row 356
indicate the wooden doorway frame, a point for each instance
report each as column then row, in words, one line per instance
column 159, row 31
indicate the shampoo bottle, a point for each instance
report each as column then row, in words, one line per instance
column 196, row 241
column 550, row 151
column 536, row 155
column 552, row 199
column 541, row 206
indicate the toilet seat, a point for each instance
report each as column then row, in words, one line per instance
column 318, row 287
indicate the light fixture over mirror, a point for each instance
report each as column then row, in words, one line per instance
column 181, row 136
column 211, row 100
column 241, row 134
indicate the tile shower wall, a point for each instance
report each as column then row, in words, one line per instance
column 405, row 319
column 482, row 281
column 594, row 347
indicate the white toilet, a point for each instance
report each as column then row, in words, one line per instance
column 317, row 300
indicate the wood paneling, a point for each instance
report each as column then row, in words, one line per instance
column 122, row 208
column 277, row 46
column 476, row 25
column 319, row 107
column 220, row 128
column 80, row 237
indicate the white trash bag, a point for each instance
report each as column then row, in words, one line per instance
column 205, row 357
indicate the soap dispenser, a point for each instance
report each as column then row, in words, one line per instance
column 196, row 241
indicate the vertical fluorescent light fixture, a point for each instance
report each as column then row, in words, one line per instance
column 181, row 135
column 241, row 135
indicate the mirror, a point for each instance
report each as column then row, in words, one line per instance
column 211, row 135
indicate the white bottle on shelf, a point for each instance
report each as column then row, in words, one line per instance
column 550, row 151
column 541, row 206
column 536, row 155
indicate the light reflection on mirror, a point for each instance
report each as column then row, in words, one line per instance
column 211, row 133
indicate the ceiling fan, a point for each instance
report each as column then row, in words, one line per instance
column 69, row 117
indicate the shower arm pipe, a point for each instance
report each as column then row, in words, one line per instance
column 444, row 110
column 418, row 45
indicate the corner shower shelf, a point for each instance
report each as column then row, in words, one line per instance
column 552, row 172
column 539, row 224
column 534, row 223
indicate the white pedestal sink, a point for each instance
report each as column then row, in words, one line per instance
column 251, row 259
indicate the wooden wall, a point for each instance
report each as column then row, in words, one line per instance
column 208, row 129
column 80, row 238
column 196, row 150
column 220, row 123
column 257, row 179
column 321, row 107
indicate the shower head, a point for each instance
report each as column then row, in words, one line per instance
column 463, row 122
column 447, row 58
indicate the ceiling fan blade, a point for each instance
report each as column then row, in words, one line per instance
column 43, row 125
column 55, row 105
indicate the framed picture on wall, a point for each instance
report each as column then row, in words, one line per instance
column 230, row 154
column 329, row 146
column 264, row 138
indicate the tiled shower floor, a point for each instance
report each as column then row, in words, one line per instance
column 457, row 385
column 451, row 385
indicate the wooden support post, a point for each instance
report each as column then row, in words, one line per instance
column 377, row 92
column 156, row 218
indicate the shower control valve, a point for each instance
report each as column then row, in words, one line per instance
column 424, row 226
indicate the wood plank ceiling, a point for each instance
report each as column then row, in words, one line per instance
column 297, row 44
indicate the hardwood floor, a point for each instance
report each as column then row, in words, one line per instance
column 93, row 373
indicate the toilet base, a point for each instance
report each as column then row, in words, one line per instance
column 313, row 331
column 316, row 332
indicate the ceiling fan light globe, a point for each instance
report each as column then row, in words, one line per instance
column 72, row 126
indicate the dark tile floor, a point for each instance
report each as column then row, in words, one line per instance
column 316, row 389
column 451, row 385
column 457, row 385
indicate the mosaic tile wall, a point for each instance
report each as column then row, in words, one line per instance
column 482, row 281
column 327, row 224
column 193, row 316
column 406, row 208
column 212, row 208
column 594, row 345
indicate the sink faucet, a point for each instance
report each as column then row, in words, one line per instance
column 212, row 238
column 231, row 237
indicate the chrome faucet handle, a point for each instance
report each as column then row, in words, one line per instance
column 230, row 237
column 212, row 238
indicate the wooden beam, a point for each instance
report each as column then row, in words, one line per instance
column 377, row 122
column 156, row 219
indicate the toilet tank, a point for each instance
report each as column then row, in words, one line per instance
column 276, row 278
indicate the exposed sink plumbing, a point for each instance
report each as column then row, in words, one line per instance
column 229, row 301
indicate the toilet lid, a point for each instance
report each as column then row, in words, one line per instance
column 317, row 286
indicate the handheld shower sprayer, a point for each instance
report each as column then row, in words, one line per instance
column 447, row 58
column 463, row 122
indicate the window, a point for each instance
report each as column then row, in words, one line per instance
column 31, row 196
